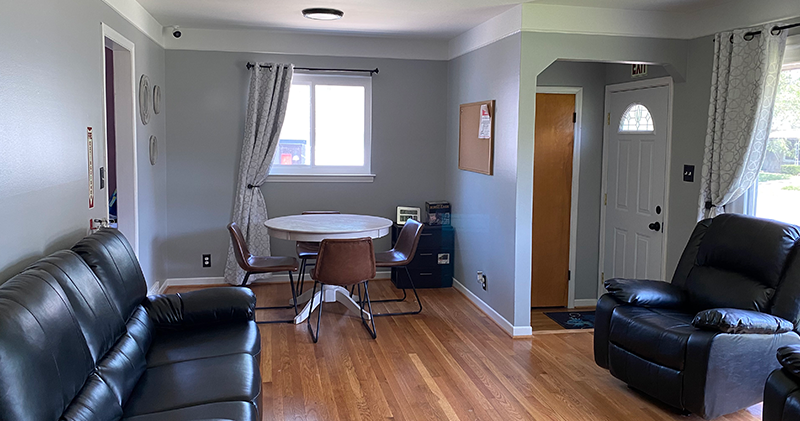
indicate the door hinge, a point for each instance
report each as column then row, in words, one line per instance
column 574, row 117
column 609, row 119
column 605, row 199
column 602, row 276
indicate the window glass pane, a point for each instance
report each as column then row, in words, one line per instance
column 294, row 147
column 339, row 119
column 779, row 181
column 636, row 119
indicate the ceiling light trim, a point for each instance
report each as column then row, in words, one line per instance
column 322, row 13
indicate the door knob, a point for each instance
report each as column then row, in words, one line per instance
column 655, row 226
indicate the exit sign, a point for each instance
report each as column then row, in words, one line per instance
column 638, row 70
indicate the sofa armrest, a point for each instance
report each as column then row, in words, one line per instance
column 789, row 357
column 734, row 320
column 205, row 306
column 643, row 293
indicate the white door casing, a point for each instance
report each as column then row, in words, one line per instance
column 635, row 183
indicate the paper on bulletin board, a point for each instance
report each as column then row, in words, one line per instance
column 485, row 128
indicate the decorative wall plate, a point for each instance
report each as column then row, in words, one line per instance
column 144, row 99
column 153, row 150
column 157, row 99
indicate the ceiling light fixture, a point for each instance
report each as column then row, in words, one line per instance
column 322, row 13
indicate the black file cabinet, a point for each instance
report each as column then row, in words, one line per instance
column 432, row 266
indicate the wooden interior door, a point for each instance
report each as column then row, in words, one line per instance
column 552, row 197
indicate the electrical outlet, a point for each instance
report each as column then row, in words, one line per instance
column 482, row 279
column 206, row 260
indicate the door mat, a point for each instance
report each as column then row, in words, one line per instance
column 573, row 319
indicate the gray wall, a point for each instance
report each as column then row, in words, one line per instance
column 591, row 77
column 51, row 58
column 208, row 94
column 484, row 206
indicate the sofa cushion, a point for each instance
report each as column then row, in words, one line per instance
column 240, row 411
column 97, row 314
column 196, row 382
column 657, row 335
column 111, row 257
column 44, row 359
column 171, row 346
column 734, row 320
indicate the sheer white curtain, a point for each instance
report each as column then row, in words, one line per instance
column 266, row 109
column 743, row 86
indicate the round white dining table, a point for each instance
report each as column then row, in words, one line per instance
column 318, row 227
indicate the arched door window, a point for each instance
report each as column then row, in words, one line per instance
column 636, row 119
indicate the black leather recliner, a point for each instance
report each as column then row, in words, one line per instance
column 80, row 341
column 705, row 343
column 782, row 393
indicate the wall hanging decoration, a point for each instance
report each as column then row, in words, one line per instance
column 144, row 99
column 476, row 137
column 153, row 150
column 157, row 99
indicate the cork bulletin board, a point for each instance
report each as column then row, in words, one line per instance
column 476, row 143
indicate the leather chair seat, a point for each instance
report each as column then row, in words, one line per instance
column 390, row 258
column 187, row 383
column 215, row 411
column 307, row 250
column 657, row 335
column 256, row 264
column 171, row 346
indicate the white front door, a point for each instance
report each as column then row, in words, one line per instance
column 636, row 159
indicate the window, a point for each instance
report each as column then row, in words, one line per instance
column 327, row 128
column 636, row 119
column 776, row 194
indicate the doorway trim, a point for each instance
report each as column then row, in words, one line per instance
column 622, row 87
column 576, row 166
column 129, row 97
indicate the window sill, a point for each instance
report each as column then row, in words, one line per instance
column 321, row 178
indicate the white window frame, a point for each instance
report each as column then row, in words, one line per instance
column 330, row 173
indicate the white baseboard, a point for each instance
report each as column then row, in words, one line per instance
column 156, row 288
column 278, row 278
column 585, row 302
column 513, row 331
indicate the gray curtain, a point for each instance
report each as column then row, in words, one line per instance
column 743, row 87
column 266, row 108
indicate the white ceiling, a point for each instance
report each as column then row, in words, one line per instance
column 408, row 18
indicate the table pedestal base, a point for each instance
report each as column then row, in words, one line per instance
column 328, row 294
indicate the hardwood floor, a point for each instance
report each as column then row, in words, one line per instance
column 449, row 363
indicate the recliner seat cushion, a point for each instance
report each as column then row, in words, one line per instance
column 240, row 411
column 212, row 341
column 196, row 382
column 657, row 335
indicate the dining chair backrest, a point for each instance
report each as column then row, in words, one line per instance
column 345, row 261
column 321, row 213
column 408, row 240
column 240, row 250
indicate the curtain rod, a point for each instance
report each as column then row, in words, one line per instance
column 774, row 31
column 317, row 69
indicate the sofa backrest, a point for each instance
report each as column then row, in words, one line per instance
column 738, row 262
column 112, row 259
column 44, row 358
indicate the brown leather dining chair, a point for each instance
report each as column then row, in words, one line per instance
column 262, row 264
column 400, row 256
column 308, row 250
column 345, row 262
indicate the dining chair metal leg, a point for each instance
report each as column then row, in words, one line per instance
column 315, row 336
column 372, row 331
column 403, row 313
column 294, row 301
column 302, row 279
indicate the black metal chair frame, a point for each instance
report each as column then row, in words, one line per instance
column 373, row 333
column 397, row 300
column 294, row 300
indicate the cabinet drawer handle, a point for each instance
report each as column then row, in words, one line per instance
column 426, row 274
column 426, row 254
column 425, row 235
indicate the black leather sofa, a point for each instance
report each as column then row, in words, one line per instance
column 782, row 393
column 705, row 343
column 80, row 341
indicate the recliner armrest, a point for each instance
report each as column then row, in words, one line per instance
column 789, row 357
column 644, row 293
column 734, row 320
column 205, row 306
